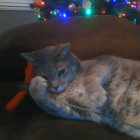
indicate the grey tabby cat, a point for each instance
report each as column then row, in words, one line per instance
column 105, row 89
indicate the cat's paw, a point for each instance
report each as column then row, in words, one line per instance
column 38, row 87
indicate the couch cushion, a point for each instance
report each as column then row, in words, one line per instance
column 89, row 37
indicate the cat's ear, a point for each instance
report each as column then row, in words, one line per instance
column 63, row 50
column 29, row 56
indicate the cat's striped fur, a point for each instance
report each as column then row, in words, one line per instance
column 105, row 89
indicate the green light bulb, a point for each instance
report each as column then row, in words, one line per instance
column 135, row 21
column 39, row 16
column 54, row 13
column 88, row 11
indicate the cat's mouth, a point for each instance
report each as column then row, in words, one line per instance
column 56, row 91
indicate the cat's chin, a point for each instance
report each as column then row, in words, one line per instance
column 53, row 91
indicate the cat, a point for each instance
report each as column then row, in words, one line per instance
column 105, row 89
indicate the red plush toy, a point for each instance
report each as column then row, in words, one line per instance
column 13, row 103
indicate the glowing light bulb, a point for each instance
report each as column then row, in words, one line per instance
column 123, row 15
column 134, row 2
column 75, row 11
column 107, row 0
column 42, row 3
column 128, row 2
column 135, row 21
column 39, row 16
column 51, row 12
column 103, row 11
column 88, row 11
column 132, row 6
column 54, row 13
column 64, row 15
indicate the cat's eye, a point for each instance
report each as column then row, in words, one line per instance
column 61, row 72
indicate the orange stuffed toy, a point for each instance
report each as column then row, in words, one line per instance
column 13, row 103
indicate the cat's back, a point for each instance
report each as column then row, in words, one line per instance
column 110, row 59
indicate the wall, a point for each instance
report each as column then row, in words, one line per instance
column 10, row 19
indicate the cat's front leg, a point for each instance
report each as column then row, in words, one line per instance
column 39, row 92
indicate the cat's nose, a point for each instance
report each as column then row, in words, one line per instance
column 55, row 85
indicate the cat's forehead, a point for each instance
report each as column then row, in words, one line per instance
column 47, row 51
column 55, row 53
column 55, row 47
column 51, row 58
column 50, row 52
column 53, row 50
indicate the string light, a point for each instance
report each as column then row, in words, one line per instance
column 43, row 4
column 103, row 11
column 64, row 15
column 54, row 13
column 51, row 12
column 122, row 15
column 39, row 16
column 132, row 6
column 134, row 21
column 128, row 2
column 134, row 2
column 75, row 11
column 88, row 11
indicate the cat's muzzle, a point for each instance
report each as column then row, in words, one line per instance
column 56, row 90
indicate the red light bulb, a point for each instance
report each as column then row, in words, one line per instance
column 123, row 15
column 103, row 11
column 75, row 11
column 42, row 4
column 134, row 2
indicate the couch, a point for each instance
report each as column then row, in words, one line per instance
column 89, row 37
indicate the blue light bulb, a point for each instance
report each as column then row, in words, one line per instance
column 64, row 15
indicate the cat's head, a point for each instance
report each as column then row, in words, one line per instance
column 56, row 64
